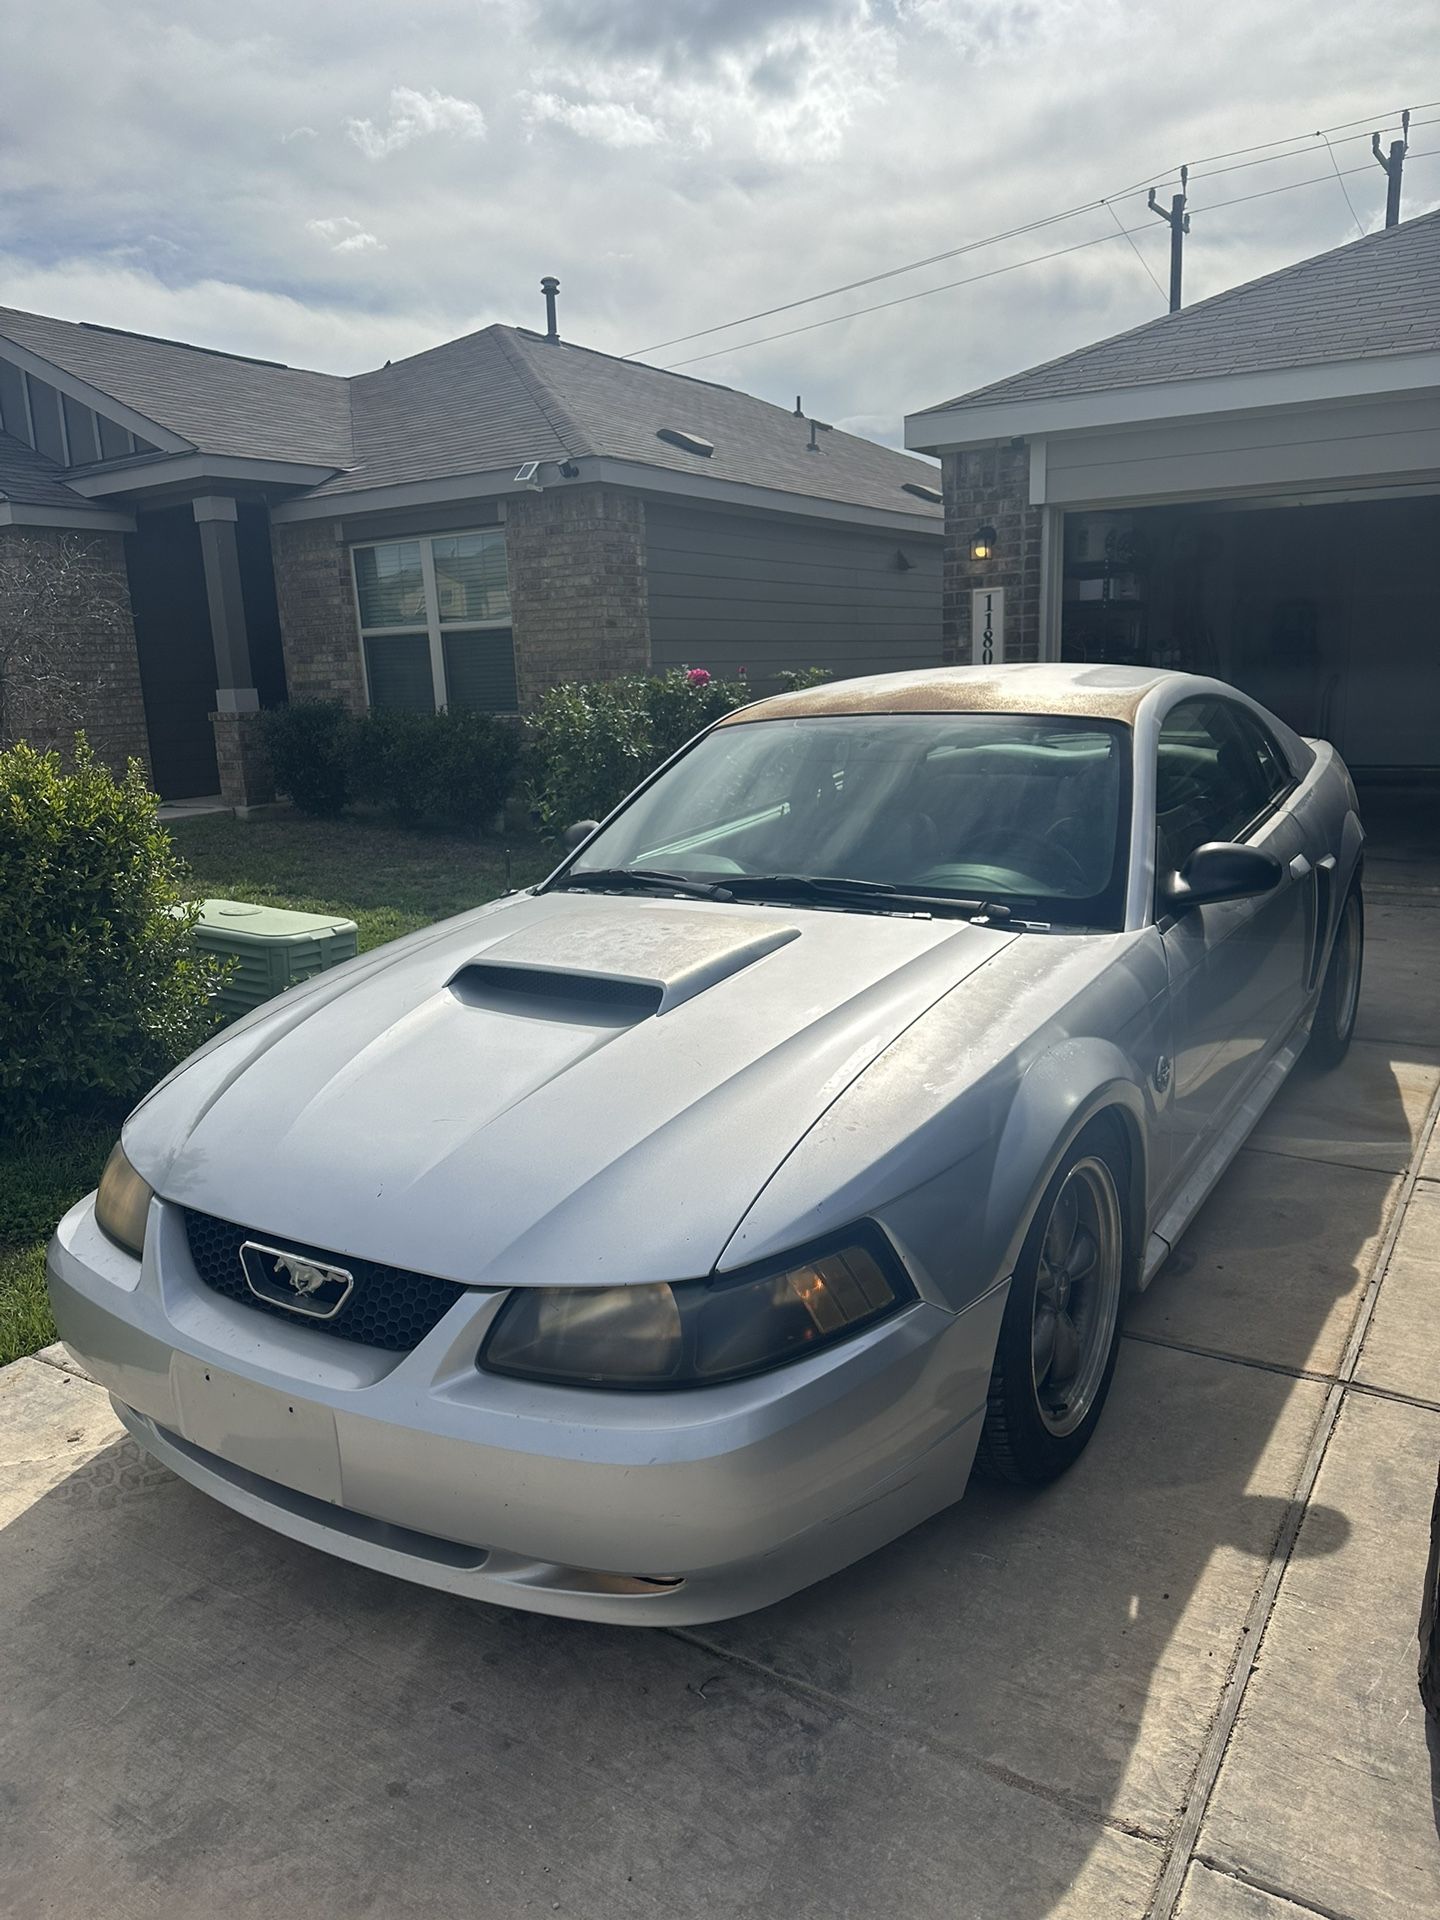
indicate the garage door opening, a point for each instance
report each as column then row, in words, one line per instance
column 1329, row 615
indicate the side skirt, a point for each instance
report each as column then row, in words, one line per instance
column 1198, row 1187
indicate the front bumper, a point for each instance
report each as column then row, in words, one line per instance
column 657, row 1507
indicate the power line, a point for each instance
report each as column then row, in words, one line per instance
column 948, row 286
column 1012, row 233
column 1340, row 179
column 1138, row 255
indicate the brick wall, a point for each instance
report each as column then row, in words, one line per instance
column 317, row 614
column 577, row 585
column 991, row 487
column 246, row 777
column 67, row 643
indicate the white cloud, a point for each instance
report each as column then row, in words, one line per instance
column 801, row 144
column 413, row 116
column 613, row 123
column 345, row 235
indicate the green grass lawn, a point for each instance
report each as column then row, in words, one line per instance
column 388, row 880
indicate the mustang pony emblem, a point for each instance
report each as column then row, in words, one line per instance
column 294, row 1282
column 304, row 1275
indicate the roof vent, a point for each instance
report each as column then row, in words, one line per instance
column 550, row 287
column 932, row 494
column 687, row 442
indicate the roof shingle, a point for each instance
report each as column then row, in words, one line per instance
column 30, row 479
column 215, row 401
column 1379, row 295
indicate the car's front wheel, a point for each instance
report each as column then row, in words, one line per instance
column 1061, row 1331
column 1334, row 1024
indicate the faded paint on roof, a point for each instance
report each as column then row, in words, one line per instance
column 1103, row 693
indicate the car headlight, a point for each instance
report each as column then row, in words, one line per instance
column 699, row 1332
column 122, row 1203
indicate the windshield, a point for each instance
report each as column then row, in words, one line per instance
column 1024, row 810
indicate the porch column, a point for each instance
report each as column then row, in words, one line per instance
column 245, row 777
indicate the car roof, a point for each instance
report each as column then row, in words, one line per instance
column 1058, row 687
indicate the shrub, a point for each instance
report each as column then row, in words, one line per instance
column 104, row 990
column 588, row 745
column 445, row 769
column 310, row 746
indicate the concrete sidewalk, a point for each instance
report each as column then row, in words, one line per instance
column 1180, row 1682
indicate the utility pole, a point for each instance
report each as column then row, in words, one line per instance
column 1394, row 166
column 1178, row 221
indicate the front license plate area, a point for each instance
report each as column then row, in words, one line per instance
column 292, row 1441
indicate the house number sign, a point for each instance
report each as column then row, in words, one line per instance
column 987, row 625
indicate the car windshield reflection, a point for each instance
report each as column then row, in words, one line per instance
column 1025, row 812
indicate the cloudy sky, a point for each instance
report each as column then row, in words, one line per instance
column 337, row 185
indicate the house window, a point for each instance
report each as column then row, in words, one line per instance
column 435, row 622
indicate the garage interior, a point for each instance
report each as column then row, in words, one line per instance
column 1327, row 613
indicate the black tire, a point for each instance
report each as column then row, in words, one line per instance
column 1334, row 1025
column 1029, row 1437
column 1430, row 1621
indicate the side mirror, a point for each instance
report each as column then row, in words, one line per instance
column 1220, row 871
column 578, row 832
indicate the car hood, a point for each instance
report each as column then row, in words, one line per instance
column 560, row 1088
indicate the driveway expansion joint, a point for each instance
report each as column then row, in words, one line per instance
column 1181, row 1850
column 1226, row 1871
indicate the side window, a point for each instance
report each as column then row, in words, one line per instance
column 1275, row 774
column 1209, row 780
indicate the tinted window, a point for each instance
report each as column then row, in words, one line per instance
column 1275, row 774
column 1032, row 811
column 1211, row 781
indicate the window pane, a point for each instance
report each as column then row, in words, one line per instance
column 12, row 402
column 470, row 575
column 390, row 584
column 480, row 671
column 399, row 670
column 1208, row 781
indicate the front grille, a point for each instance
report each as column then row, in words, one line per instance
column 389, row 1307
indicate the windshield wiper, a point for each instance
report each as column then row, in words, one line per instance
column 639, row 880
column 875, row 894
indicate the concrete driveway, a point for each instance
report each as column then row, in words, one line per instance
column 1183, row 1681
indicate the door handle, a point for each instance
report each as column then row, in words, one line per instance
column 1299, row 867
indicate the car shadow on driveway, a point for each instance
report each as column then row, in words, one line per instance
column 1000, row 1714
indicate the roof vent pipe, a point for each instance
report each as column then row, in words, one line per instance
column 550, row 286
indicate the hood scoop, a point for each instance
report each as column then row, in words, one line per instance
column 593, row 963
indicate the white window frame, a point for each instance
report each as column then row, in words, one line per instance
column 434, row 628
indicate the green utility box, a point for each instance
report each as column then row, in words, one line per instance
column 271, row 947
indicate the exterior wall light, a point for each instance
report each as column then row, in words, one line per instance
column 982, row 543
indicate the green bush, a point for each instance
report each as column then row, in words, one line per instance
column 309, row 743
column 451, row 769
column 103, row 988
column 588, row 744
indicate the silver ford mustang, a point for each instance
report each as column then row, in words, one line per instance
column 648, row 1244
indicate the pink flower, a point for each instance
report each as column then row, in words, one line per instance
column 697, row 677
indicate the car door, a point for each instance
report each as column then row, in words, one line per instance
column 1237, row 968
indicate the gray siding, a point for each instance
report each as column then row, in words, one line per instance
column 1247, row 452
column 732, row 590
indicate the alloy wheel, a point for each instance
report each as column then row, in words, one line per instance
column 1077, row 1296
column 1347, row 965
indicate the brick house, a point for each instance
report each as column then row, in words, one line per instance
column 188, row 536
column 1248, row 488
